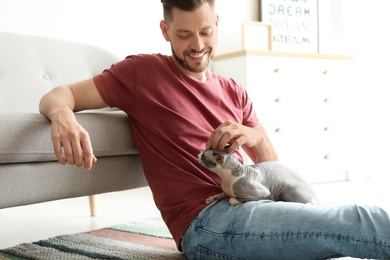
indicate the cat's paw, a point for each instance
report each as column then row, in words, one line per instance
column 234, row 201
column 210, row 200
column 219, row 196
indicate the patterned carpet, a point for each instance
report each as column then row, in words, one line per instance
column 147, row 239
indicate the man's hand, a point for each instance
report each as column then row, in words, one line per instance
column 235, row 135
column 71, row 141
column 254, row 140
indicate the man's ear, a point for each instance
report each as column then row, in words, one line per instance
column 164, row 30
column 217, row 20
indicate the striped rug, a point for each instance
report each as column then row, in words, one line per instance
column 147, row 239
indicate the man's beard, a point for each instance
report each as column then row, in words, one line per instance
column 187, row 66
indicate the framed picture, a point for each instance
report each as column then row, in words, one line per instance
column 294, row 24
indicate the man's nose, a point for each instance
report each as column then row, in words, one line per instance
column 197, row 43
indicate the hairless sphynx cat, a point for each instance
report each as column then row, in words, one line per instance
column 267, row 180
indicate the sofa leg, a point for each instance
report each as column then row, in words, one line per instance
column 92, row 205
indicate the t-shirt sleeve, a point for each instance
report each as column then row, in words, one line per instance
column 116, row 83
column 249, row 115
column 100, row 83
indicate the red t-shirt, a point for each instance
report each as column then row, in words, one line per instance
column 172, row 117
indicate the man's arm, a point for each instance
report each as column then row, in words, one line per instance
column 254, row 140
column 68, row 136
column 262, row 151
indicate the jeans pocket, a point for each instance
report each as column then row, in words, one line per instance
column 203, row 253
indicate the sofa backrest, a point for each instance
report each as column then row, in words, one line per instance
column 31, row 65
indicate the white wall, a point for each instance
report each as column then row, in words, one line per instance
column 350, row 27
column 365, row 36
column 231, row 15
column 122, row 26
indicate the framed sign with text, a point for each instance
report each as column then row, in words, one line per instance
column 294, row 24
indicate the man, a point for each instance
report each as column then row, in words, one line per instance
column 177, row 108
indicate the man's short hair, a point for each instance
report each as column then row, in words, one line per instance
column 186, row 5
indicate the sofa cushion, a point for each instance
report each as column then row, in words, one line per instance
column 31, row 66
column 25, row 137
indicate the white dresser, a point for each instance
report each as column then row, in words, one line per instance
column 300, row 100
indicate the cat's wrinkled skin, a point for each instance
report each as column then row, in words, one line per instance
column 266, row 180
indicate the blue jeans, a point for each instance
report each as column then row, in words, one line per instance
column 280, row 230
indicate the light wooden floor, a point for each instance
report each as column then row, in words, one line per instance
column 41, row 221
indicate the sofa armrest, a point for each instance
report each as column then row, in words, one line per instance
column 25, row 137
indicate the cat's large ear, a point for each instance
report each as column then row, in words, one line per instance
column 219, row 158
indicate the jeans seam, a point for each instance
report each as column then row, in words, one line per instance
column 290, row 234
column 204, row 215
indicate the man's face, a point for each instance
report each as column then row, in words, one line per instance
column 193, row 36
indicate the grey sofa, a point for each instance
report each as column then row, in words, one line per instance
column 29, row 173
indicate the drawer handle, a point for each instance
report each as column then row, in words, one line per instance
column 327, row 128
column 326, row 100
column 327, row 157
column 277, row 100
column 325, row 72
column 277, row 70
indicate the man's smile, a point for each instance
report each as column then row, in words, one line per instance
column 197, row 55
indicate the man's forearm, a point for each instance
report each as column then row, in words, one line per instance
column 264, row 150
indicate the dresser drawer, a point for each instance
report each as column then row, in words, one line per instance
column 300, row 103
